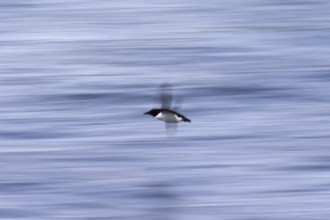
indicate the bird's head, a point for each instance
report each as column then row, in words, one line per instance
column 152, row 112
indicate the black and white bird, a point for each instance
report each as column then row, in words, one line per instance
column 167, row 115
column 166, row 112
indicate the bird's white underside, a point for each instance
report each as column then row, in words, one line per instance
column 168, row 117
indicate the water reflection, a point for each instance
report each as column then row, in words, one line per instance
column 162, row 201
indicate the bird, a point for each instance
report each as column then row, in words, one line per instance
column 167, row 115
column 167, row 111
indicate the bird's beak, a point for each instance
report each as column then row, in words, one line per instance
column 146, row 113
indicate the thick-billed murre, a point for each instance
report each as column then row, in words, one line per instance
column 167, row 115
column 168, row 109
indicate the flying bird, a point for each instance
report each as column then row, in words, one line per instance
column 167, row 115
column 167, row 112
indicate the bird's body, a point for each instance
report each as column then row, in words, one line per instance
column 167, row 115
column 166, row 111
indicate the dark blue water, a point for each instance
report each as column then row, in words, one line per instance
column 76, row 76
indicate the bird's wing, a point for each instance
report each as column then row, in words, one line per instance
column 166, row 97
column 171, row 129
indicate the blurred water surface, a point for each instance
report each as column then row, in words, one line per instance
column 77, row 75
